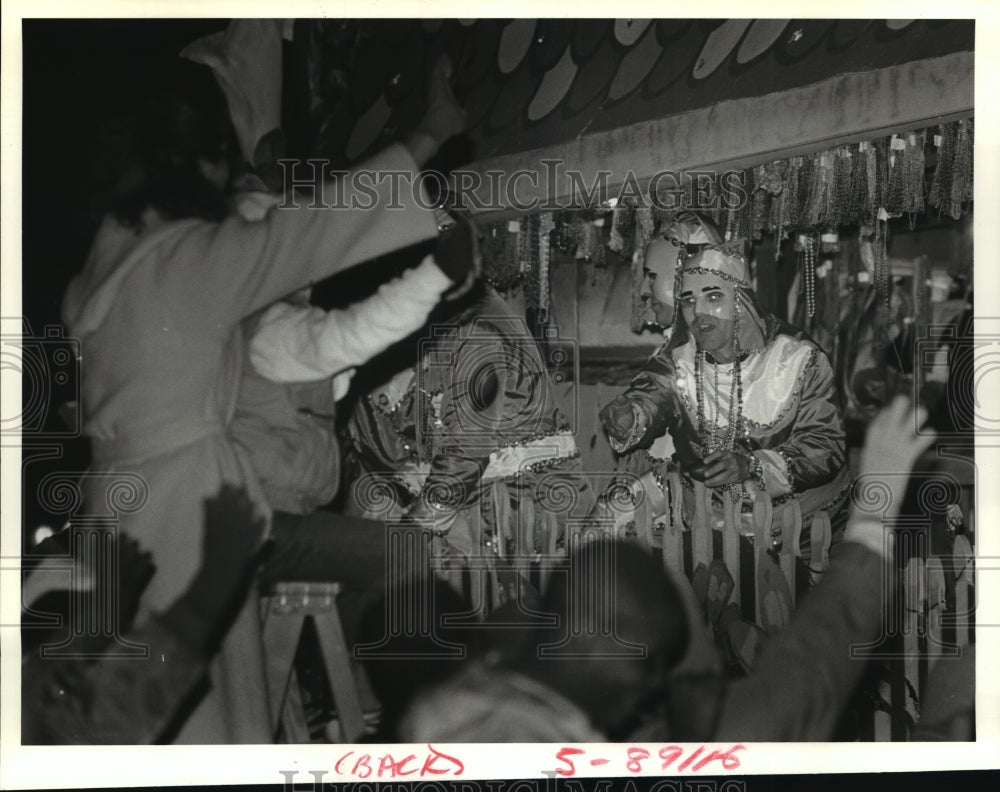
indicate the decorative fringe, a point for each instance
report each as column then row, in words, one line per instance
column 894, row 189
column 501, row 260
column 881, row 279
column 848, row 185
column 913, row 175
column 529, row 250
column 546, row 223
column 643, row 233
column 863, row 184
column 951, row 187
column 619, row 221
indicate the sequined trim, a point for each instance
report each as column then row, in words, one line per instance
column 788, row 468
column 747, row 501
column 750, row 426
column 534, row 454
column 794, row 402
column 716, row 274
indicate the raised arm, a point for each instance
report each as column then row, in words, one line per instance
column 374, row 209
column 296, row 344
column 299, row 344
column 233, row 268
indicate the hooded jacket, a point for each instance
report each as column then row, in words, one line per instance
column 157, row 311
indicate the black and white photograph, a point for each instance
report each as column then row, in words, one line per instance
column 610, row 391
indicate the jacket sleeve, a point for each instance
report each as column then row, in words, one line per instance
column 295, row 344
column 646, row 408
column 800, row 684
column 815, row 451
column 288, row 432
column 225, row 271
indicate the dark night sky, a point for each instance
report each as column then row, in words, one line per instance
column 73, row 69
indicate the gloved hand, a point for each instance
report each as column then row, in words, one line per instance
column 724, row 467
column 457, row 254
column 618, row 418
column 445, row 117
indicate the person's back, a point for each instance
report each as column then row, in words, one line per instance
column 157, row 310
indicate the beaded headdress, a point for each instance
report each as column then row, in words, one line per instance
column 728, row 263
column 721, row 260
column 690, row 228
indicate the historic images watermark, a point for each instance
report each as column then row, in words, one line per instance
column 322, row 781
column 49, row 366
column 325, row 187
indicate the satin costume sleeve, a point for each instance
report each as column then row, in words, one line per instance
column 646, row 408
column 472, row 406
column 815, row 450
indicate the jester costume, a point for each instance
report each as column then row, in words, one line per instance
column 474, row 432
column 773, row 409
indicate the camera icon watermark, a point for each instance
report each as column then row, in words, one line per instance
column 49, row 366
column 926, row 595
column 95, row 570
column 958, row 365
column 492, row 378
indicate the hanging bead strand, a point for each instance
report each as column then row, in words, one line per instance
column 810, row 275
column 546, row 223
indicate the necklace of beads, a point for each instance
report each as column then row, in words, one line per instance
column 809, row 274
column 709, row 435
column 711, row 431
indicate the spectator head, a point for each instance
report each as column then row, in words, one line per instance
column 168, row 150
column 622, row 627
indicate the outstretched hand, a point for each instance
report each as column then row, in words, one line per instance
column 618, row 418
column 892, row 446
column 443, row 119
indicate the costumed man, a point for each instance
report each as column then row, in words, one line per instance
column 687, row 233
column 751, row 406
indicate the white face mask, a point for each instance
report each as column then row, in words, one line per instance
column 660, row 263
column 708, row 305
